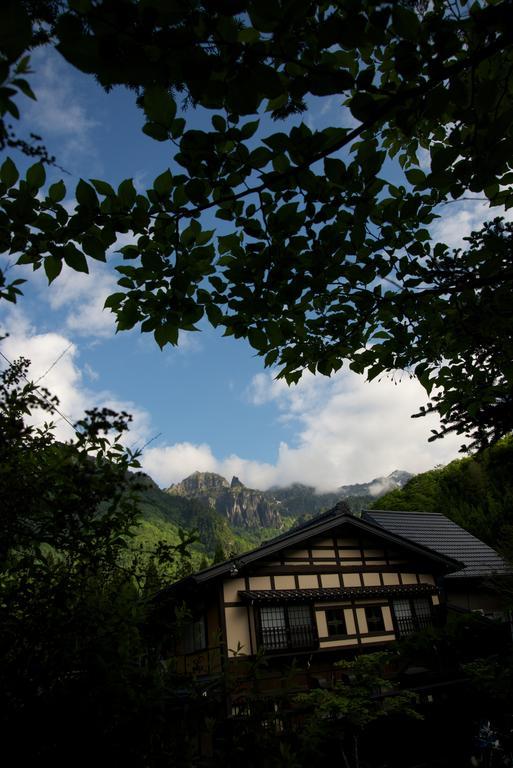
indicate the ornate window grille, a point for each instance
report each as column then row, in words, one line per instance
column 412, row 615
column 287, row 627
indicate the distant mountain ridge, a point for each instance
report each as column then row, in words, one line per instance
column 250, row 508
column 230, row 518
column 378, row 486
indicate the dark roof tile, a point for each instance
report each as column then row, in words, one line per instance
column 332, row 593
column 434, row 530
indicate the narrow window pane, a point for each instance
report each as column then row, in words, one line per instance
column 336, row 621
column 374, row 618
column 402, row 609
column 274, row 628
column 422, row 608
column 301, row 627
column 195, row 635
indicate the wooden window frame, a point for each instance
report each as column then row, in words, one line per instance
column 372, row 629
column 331, row 622
column 287, row 629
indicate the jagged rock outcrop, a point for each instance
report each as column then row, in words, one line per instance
column 242, row 506
column 199, row 484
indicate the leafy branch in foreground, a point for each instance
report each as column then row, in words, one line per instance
column 322, row 254
column 80, row 646
column 345, row 711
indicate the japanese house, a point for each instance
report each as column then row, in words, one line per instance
column 334, row 586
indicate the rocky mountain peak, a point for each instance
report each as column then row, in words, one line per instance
column 198, row 483
column 242, row 506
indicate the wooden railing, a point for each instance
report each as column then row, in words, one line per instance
column 206, row 662
column 410, row 625
column 288, row 638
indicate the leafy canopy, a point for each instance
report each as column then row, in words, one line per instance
column 321, row 255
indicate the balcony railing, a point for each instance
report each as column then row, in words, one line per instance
column 289, row 638
column 410, row 625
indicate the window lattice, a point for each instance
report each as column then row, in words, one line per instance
column 336, row 622
column 412, row 615
column 287, row 627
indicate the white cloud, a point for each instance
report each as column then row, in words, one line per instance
column 64, row 378
column 347, row 431
column 82, row 297
column 172, row 463
column 461, row 217
column 60, row 111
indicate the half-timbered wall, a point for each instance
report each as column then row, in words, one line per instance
column 328, row 562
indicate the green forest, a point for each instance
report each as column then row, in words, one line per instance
column 319, row 259
column 476, row 492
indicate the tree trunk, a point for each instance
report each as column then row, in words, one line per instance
column 344, row 756
column 356, row 751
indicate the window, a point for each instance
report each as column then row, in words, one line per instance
column 412, row 615
column 374, row 616
column 336, row 622
column 195, row 635
column 287, row 627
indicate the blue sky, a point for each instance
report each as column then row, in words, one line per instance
column 210, row 400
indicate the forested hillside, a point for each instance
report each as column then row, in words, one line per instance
column 476, row 492
column 230, row 518
column 162, row 515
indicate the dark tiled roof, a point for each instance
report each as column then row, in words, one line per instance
column 329, row 521
column 434, row 530
column 332, row 593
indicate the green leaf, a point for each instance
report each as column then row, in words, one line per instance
column 114, row 300
column 188, row 235
column 257, row 339
column 260, row 157
column 25, row 88
column 219, row 123
column 405, row 22
column 9, row 173
column 103, row 187
column 156, row 131
column 93, row 247
column 177, row 127
column 335, row 170
column 129, row 251
column 86, row 195
column 248, row 35
column 214, row 314
column 75, row 258
column 227, row 243
column 422, row 235
column 362, row 106
column 159, row 105
column 127, row 193
column 416, row 177
column 249, row 129
column 15, row 29
column 57, row 192
column 281, row 163
column 52, row 266
column 36, row 175
column 163, row 183
column 166, row 334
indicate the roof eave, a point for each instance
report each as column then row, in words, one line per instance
column 235, row 565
